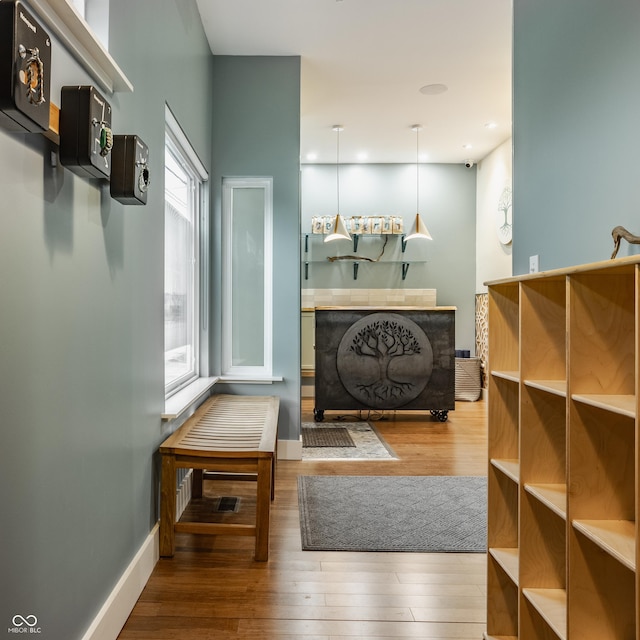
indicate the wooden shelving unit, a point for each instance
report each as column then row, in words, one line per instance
column 564, row 454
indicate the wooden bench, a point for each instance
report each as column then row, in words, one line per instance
column 227, row 434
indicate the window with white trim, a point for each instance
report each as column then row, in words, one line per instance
column 247, row 211
column 185, row 247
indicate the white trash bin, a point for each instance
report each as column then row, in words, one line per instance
column 468, row 379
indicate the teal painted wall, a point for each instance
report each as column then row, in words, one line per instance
column 256, row 132
column 81, row 333
column 447, row 205
column 576, row 134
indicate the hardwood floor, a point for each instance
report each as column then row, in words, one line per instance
column 212, row 588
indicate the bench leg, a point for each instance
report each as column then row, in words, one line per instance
column 263, row 508
column 273, row 477
column 168, row 506
column 196, row 483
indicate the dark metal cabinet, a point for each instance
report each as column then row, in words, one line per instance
column 385, row 359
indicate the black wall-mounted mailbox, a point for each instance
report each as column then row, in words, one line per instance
column 25, row 70
column 86, row 138
column 129, row 170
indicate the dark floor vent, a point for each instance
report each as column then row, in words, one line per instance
column 226, row 504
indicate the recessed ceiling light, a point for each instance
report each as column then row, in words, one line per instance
column 312, row 156
column 467, row 146
column 490, row 125
column 433, row 89
column 362, row 156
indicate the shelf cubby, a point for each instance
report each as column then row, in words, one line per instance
column 602, row 592
column 543, row 329
column 503, row 510
column 504, row 326
column 544, row 614
column 602, row 330
column 504, row 405
column 502, row 616
column 602, row 457
column 564, row 455
column 543, row 543
column 543, row 437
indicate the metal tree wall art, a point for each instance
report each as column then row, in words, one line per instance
column 384, row 360
column 504, row 221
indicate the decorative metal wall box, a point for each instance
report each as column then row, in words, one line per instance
column 25, row 70
column 129, row 170
column 86, row 138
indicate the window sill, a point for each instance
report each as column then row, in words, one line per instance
column 76, row 35
column 179, row 402
column 230, row 379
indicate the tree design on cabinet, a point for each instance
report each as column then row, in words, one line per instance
column 384, row 360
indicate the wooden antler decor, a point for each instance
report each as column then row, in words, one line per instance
column 618, row 233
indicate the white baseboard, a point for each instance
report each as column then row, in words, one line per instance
column 290, row 449
column 115, row 611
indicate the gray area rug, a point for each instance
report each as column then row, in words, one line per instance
column 369, row 445
column 326, row 437
column 424, row 514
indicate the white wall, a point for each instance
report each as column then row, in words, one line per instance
column 493, row 259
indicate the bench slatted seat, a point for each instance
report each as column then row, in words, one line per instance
column 228, row 434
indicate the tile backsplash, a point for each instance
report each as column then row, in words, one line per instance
column 368, row 298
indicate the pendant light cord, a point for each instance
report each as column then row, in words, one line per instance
column 417, row 170
column 338, row 170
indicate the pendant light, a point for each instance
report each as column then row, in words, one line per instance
column 419, row 228
column 338, row 229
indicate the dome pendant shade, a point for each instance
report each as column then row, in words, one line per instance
column 419, row 230
column 338, row 230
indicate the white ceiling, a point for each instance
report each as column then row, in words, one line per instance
column 364, row 62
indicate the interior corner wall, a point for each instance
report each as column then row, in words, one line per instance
column 256, row 132
column 576, row 135
column 81, row 332
column 448, row 207
column 493, row 259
